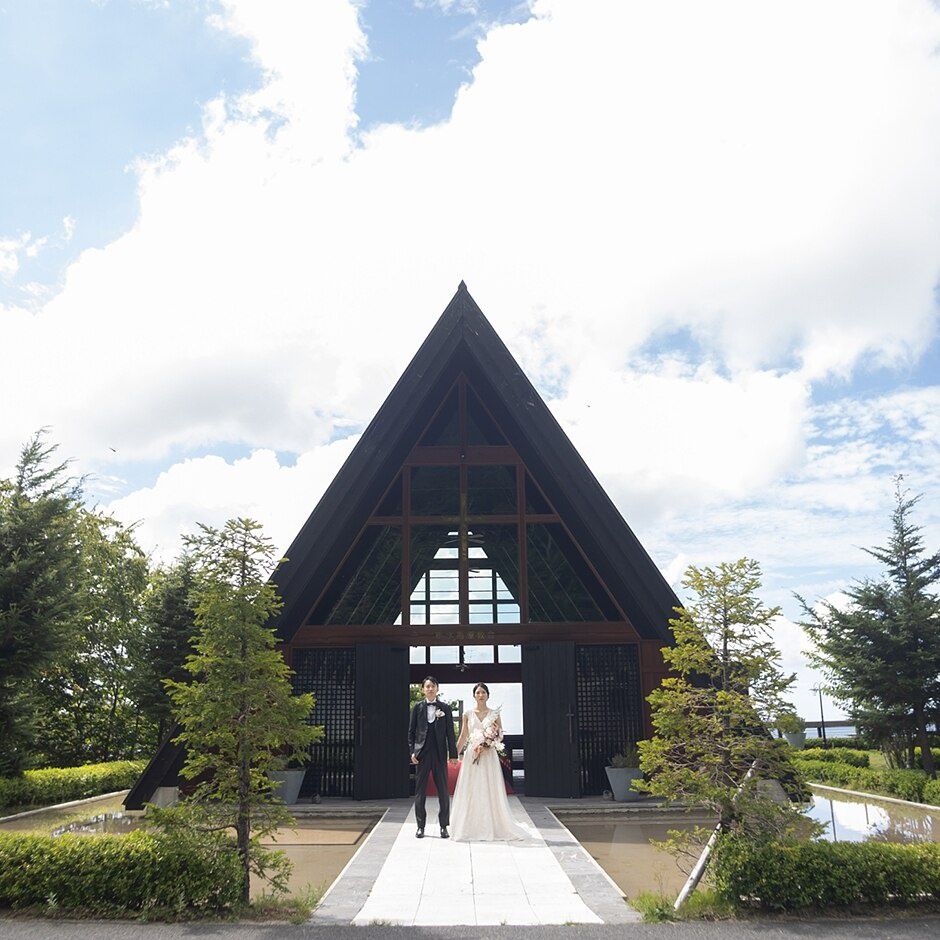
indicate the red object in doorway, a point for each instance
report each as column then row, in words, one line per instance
column 452, row 771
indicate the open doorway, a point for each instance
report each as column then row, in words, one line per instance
column 459, row 668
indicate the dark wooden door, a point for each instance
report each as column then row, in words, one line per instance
column 549, row 697
column 381, row 722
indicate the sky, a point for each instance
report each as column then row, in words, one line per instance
column 710, row 234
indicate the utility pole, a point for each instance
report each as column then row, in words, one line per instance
column 822, row 720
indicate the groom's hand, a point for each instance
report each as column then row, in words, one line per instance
column 414, row 760
column 452, row 761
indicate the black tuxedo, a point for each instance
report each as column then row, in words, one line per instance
column 431, row 744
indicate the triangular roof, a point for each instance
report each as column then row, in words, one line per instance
column 463, row 340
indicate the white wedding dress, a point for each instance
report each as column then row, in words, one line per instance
column 480, row 808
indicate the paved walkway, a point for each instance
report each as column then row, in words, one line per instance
column 398, row 879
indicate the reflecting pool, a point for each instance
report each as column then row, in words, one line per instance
column 621, row 844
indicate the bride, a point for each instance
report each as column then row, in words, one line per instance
column 480, row 810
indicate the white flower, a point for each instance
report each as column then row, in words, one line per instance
column 439, row 713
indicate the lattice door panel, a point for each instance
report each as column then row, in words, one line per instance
column 331, row 675
column 609, row 708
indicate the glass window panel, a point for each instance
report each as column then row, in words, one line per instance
column 445, row 614
column 476, row 552
column 367, row 589
column 481, row 428
column 435, row 491
column 418, row 655
column 480, row 584
column 445, row 654
column 507, row 613
column 444, row 585
column 500, row 545
column 491, row 490
column 478, row 654
column 445, row 426
column 510, row 654
column 481, row 613
column 561, row 586
column 391, row 504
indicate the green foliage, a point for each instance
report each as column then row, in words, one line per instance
column 85, row 707
column 139, row 873
column 704, row 904
column 238, row 715
column 932, row 792
column 39, row 565
column 628, row 758
column 844, row 755
column 63, row 784
column 168, row 625
column 904, row 784
column 790, row 723
column 882, row 652
column 825, row 875
column 708, row 732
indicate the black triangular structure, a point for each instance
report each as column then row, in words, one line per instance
column 637, row 601
column 463, row 340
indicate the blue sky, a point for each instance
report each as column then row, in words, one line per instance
column 88, row 87
column 728, row 297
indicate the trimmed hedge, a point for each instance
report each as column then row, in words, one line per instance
column 932, row 792
column 823, row 875
column 117, row 875
column 904, row 784
column 844, row 755
column 62, row 784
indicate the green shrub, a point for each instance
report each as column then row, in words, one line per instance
column 62, row 784
column 932, row 792
column 117, row 875
column 934, row 751
column 824, row 875
column 904, row 784
column 844, row 755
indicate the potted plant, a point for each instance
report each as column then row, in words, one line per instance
column 623, row 770
column 793, row 729
column 288, row 783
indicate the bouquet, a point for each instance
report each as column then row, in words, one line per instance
column 491, row 736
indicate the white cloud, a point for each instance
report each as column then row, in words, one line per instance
column 754, row 181
column 211, row 490
column 666, row 178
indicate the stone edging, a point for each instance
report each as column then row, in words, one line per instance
column 57, row 806
column 874, row 796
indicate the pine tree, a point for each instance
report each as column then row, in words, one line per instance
column 710, row 717
column 39, row 565
column 238, row 714
column 882, row 652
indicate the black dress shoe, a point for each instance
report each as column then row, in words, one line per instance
column 420, row 833
column 444, row 833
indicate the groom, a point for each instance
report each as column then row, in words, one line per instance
column 431, row 739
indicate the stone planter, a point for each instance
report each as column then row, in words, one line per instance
column 620, row 779
column 289, row 782
column 795, row 738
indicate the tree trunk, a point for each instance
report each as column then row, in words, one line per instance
column 923, row 739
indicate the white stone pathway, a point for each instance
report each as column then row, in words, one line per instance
column 434, row 881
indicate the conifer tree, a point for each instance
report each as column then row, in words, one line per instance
column 39, row 565
column 238, row 715
column 882, row 652
column 711, row 717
